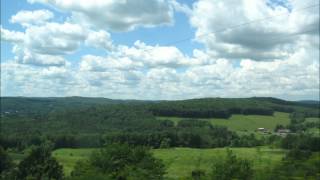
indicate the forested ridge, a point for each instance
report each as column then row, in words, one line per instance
column 92, row 122
column 129, row 128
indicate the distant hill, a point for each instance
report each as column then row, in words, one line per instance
column 44, row 105
column 24, row 105
column 308, row 102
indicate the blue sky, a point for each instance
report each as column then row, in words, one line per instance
column 153, row 36
column 124, row 49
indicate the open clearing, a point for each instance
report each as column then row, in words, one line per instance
column 313, row 119
column 243, row 123
column 181, row 161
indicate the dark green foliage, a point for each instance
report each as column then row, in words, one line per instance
column 39, row 164
column 278, row 127
column 301, row 141
column 297, row 154
column 91, row 122
column 198, row 174
column 224, row 107
column 194, row 123
column 297, row 164
column 121, row 161
column 5, row 162
column 246, row 141
column 232, row 168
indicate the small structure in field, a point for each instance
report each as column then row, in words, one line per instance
column 263, row 130
column 283, row 132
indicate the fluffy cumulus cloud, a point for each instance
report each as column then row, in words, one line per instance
column 45, row 43
column 54, row 38
column 277, row 56
column 253, row 28
column 11, row 36
column 116, row 15
column 99, row 39
column 126, row 78
column 27, row 18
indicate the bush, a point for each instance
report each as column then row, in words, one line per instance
column 232, row 168
column 39, row 164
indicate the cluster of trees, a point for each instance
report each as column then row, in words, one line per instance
column 189, row 110
column 297, row 164
column 120, row 161
column 224, row 108
column 232, row 168
column 38, row 164
column 226, row 168
column 301, row 141
column 298, row 122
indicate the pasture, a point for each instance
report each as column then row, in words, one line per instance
column 181, row 161
column 244, row 123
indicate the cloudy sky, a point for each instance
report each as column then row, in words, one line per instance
column 160, row 49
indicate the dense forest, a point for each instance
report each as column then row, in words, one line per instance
column 120, row 125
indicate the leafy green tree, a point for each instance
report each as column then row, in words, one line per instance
column 39, row 164
column 121, row 161
column 7, row 170
column 165, row 143
column 232, row 168
column 5, row 161
column 198, row 174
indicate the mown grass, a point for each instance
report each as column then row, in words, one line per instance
column 181, row 161
column 315, row 131
column 313, row 119
column 244, row 123
column 69, row 157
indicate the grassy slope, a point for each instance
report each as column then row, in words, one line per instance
column 245, row 122
column 312, row 119
column 69, row 157
column 181, row 161
column 315, row 131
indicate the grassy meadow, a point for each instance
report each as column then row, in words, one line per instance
column 243, row 123
column 181, row 161
column 312, row 119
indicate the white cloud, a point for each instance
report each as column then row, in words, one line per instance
column 27, row 18
column 99, row 39
column 267, row 39
column 25, row 56
column 45, row 44
column 11, row 36
column 20, row 79
column 290, row 79
column 101, row 64
column 116, row 15
column 55, row 38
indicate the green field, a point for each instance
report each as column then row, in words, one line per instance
column 243, row 123
column 69, row 157
column 313, row 119
column 181, row 161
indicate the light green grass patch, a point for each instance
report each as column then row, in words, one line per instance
column 181, row 161
column 313, row 119
column 69, row 157
column 243, row 123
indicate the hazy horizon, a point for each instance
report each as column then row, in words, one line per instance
column 297, row 100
